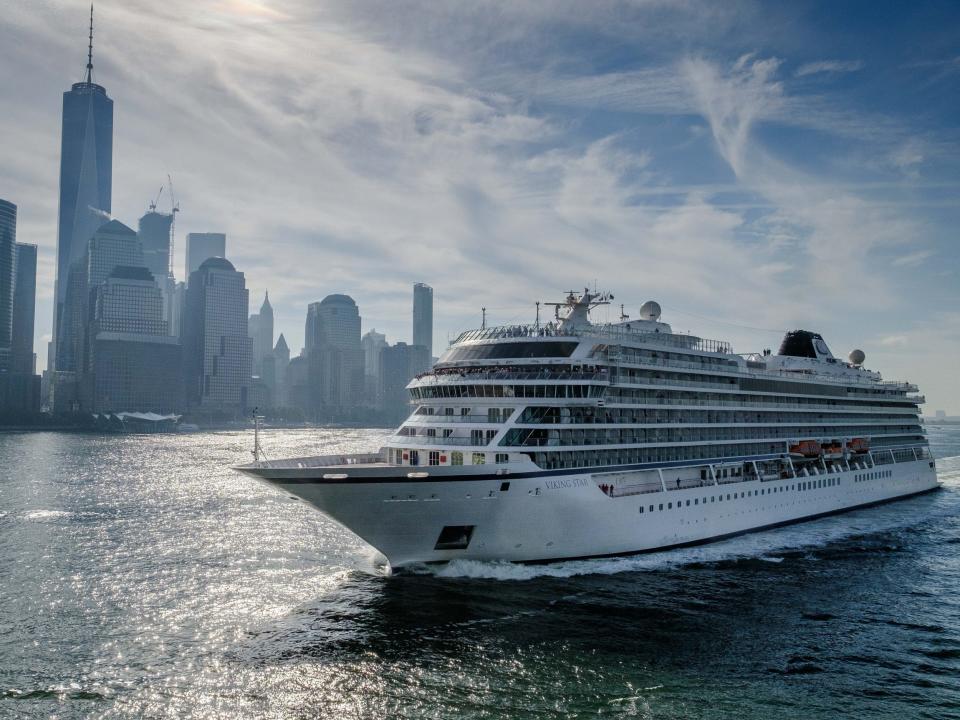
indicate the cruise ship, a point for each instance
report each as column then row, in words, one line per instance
column 575, row 439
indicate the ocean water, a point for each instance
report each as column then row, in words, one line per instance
column 141, row 577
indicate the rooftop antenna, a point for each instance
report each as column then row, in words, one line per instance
column 623, row 315
column 90, row 50
column 538, row 315
column 483, row 326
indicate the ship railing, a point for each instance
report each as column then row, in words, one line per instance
column 475, row 419
column 466, row 375
column 318, row 461
column 637, row 489
column 437, row 440
column 680, row 402
column 615, row 332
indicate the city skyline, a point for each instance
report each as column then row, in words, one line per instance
column 751, row 186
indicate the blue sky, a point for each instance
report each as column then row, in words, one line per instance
column 754, row 167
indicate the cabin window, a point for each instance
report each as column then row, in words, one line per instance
column 502, row 458
column 478, row 458
column 456, row 458
column 434, row 458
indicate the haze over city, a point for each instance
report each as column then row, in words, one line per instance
column 757, row 168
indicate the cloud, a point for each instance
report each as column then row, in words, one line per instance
column 500, row 151
column 829, row 66
column 912, row 259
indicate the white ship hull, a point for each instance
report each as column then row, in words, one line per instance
column 555, row 517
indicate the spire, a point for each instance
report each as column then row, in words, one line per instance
column 266, row 304
column 90, row 49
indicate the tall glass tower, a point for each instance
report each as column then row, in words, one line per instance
column 423, row 318
column 86, row 172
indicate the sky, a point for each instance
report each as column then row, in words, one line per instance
column 753, row 167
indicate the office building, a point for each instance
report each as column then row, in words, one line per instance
column 8, row 257
column 423, row 320
column 200, row 247
column 218, row 352
column 156, row 240
column 398, row 365
column 263, row 336
column 281, row 363
column 334, row 357
column 23, row 358
column 134, row 364
column 86, row 176
column 154, row 229
column 19, row 387
column 373, row 344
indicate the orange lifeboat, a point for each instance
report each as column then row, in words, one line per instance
column 859, row 445
column 833, row 451
column 805, row 449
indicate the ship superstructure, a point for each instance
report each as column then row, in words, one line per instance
column 577, row 439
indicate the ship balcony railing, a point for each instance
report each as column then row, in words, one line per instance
column 468, row 375
column 319, row 461
column 736, row 371
column 768, row 406
column 424, row 419
column 637, row 489
column 615, row 332
column 438, row 440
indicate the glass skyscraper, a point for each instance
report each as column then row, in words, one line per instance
column 218, row 353
column 86, row 176
column 423, row 318
column 200, row 247
column 8, row 254
column 24, row 309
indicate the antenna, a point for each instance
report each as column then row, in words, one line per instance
column 538, row 314
column 483, row 326
column 90, row 50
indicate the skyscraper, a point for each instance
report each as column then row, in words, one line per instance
column 398, row 364
column 373, row 344
column 423, row 319
column 133, row 363
column 263, row 344
column 8, row 255
column 153, row 230
column 281, row 362
column 217, row 350
column 201, row 246
column 24, row 310
column 86, row 176
column 334, row 356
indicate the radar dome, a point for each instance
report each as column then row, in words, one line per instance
column 857, row 357
column 650, row 311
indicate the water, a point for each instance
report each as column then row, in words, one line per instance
column 140, row 577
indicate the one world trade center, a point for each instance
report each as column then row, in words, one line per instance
column 86, row 169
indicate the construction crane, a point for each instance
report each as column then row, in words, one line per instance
column 153, row 205
column 174, row 209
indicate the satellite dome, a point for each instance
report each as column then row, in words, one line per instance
column 857, row 357
column 650, row 311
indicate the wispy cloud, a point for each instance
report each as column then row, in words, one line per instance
column 500, row 151
column 912, row 259
column 829, row 66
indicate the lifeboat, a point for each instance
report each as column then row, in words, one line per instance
column 859, row 445
column 832, row 451
column 805, row 450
